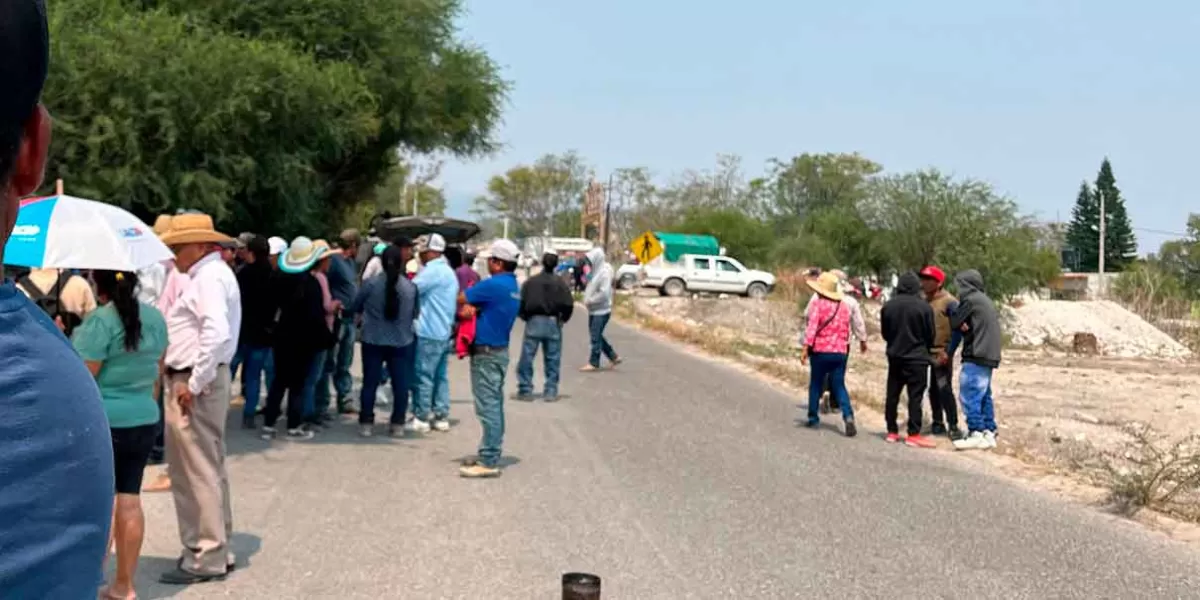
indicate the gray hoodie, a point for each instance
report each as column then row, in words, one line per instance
column 598, row 295
column 983, row 339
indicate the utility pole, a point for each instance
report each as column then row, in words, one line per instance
column 416, row 200
column 1102, row 227
column 506, row 228
column 606, row 214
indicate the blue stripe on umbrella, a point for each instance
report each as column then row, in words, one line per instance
column 27, row 245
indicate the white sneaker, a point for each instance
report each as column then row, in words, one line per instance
column 975, row 441
column 299, row 433
column 417, row 426
column 990, row 438
column 267, row 433
column 366, row 430
column 441, row 425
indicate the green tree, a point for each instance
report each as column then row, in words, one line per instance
column 539, row 198
column 1083, row 233
column 746, row 238
column 154, row 113
column 1120, row 244
column 927, row 217
column 812, row 182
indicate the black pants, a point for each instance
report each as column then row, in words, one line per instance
column 941, row 395
column 291, row 371
column 901, row 375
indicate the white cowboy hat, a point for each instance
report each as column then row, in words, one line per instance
column 300, row 256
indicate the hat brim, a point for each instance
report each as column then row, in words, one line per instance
column 293, row 267
column 194, row 236
column 835, row 295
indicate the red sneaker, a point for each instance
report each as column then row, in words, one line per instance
column 892, row 438
column 919, row 441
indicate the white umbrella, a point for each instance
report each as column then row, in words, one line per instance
column 64, row 232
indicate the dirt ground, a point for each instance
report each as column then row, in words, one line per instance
column 1057, row 412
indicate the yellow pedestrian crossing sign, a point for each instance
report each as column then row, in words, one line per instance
column 646, row 247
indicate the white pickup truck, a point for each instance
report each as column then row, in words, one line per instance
column 698, row 273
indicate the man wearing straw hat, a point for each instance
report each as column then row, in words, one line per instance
column 55, row 448
column 203, row 325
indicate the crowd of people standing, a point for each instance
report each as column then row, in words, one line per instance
column 923, row 327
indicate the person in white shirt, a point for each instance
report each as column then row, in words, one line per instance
column 203, row 326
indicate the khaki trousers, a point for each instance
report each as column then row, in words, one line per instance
column 195, row 449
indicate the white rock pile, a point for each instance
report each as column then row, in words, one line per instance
column 1118, row 331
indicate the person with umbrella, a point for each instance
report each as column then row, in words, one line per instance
column 56, row 501
column 204, row 325
column 122, row 343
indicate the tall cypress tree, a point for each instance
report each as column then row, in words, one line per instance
column 1120, row 244
column 1083, row 234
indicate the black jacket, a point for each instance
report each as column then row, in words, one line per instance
column 907, row 322
column 546, row 295
column 983, row 339
column 258, row 307
column 300, row 305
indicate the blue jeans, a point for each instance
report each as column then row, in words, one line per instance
column 337, row 366
column 975, row 392
column 600, row 345
column 310, row 386
column 399, row 361
column 432, row 394
column 546, row 332
column 254, row 361
column 833, row 366
column 487, row 385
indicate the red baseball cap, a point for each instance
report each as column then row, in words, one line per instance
column 934, row 273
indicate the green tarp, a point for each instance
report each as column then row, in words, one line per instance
column 678, row 244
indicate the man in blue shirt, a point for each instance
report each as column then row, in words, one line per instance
column 495, row 301
column 437, row 293
column 56, row 461
column 343, row 286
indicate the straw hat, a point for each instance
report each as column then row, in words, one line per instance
column 300, row 256
column 162, row 224
column 827, row 286
column 323, row 247
column 193, row 228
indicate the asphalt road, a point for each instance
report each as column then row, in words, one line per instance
column 672, row 477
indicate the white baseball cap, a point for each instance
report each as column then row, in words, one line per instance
column 278, row 245
column 505, row 250
column 431, row 243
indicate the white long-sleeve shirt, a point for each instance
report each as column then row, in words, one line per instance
column 204, row 323
column 151, row 281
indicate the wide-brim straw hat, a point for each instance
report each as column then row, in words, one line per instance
column 193, row 228
column 300, row 256
column 162, row 224
column 324, row 248
column 827, row 286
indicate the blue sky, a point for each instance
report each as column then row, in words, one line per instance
column 1028, row 95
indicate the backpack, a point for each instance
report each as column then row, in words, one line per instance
column 49, row 303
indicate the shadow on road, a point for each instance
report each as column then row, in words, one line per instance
column 245, row 546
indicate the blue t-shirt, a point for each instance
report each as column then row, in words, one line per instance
column 56, row 469
column 498, row 299
column 438, row 287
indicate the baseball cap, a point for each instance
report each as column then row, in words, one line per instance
column 505, row 250
column 431, row 243
column 934, row 273
column 277, row 245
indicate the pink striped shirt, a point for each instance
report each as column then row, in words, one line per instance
column 327, row 298
column 835, row 336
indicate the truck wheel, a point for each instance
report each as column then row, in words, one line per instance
column 674, row 287
column 757, row 290
column 627, row 282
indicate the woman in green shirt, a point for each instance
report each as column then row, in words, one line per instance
column 122, row 343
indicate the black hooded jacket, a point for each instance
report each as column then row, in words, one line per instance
column 907, row 322
column 983, row 339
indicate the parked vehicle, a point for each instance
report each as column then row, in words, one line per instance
column 700, row 274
